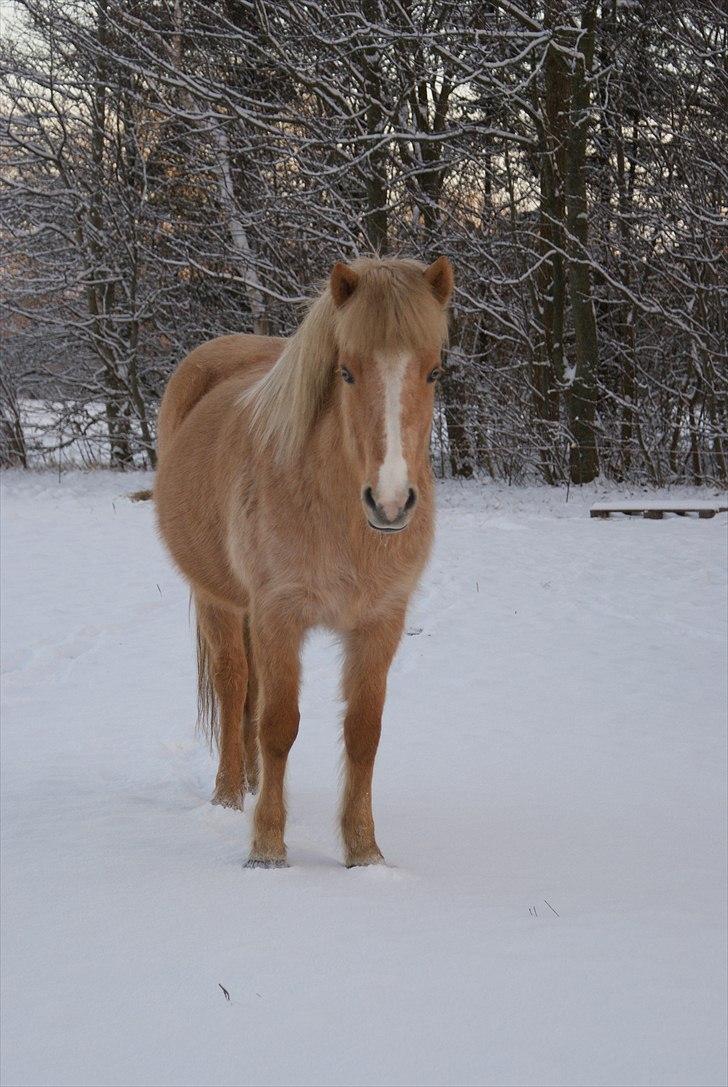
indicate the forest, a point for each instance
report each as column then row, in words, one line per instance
column 173, row 170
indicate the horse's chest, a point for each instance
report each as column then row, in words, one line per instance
column 338, row 578
column 348, row 590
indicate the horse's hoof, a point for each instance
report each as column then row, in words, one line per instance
column 375, row 857
column 266, row 862
column 251, row 787
column 227, row 798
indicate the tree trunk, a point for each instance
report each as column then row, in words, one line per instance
column 455, row 397
column 581, row 397
column 376, row 165
column 100, row 286
column 12, row 440
column 547, row 369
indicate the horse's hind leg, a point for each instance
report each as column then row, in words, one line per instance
column 227, row 669
column 250, row 718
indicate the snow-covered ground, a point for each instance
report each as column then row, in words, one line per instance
column 555, row 733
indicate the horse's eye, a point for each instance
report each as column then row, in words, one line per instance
column 434, row 375
column 347, row 375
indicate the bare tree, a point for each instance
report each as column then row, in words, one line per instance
column 172, row 171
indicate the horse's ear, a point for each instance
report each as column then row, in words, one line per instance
column 441, row 278
column 343, row 283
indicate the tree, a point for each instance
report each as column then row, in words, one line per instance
column 173, row 171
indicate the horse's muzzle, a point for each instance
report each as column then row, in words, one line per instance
column 388, row 520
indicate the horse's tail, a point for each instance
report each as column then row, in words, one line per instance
column 208, row 717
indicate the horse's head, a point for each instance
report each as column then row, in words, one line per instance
column 391, row 324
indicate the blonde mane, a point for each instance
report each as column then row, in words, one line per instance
column 391, row 309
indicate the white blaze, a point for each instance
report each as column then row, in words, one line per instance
column 392, row 482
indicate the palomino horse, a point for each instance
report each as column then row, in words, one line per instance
column 294, row 490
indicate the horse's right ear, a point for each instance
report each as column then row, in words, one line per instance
column 441, row 278
column 343, row 281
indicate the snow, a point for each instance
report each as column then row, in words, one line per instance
column 554, row 732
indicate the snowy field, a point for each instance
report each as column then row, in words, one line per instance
column 555, row 733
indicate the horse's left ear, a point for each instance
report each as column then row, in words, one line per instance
column 342, row 281
column 441, row 278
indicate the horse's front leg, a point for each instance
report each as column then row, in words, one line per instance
column 276, row 651
column 369, row 653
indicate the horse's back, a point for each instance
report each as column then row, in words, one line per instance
column 206, row 367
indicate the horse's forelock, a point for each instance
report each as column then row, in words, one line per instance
column 392, row 310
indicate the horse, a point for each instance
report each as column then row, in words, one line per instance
column 294, row 490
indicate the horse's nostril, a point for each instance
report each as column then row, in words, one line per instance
column 369, row 499
column 411, row 499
